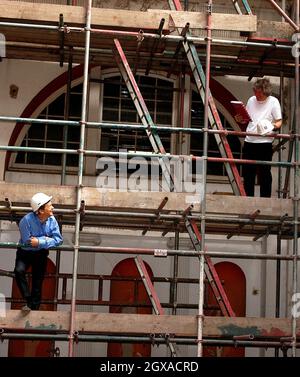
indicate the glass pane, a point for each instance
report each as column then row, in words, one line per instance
column 54, row 132
column 52, row 144
column 164, row 119
column 150, row 105
column 35, row 143
column 35, row 158
column 128, row 116
column 57, row 106
column 111, row 89
column 164, row 107
column 53, row 159
column 111, row 103
column 127, row 104
column 73, row 133
column 110, row 115
column 20, row 159
column 75, row 105
column 72, row 160
column 36, row 131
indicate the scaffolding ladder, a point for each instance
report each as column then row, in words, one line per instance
column 213, row 115
column 142, row 269
column 210, row 271
column 214, row 118
column 142, row 110
column 246, row 6
column 191, row 226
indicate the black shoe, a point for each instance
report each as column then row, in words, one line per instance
column 26, row 309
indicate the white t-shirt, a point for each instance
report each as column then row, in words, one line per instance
column 258, row 110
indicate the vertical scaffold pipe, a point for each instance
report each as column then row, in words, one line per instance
column 296, row 189
column 203, row 204
column 80, row 172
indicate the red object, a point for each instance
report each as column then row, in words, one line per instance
column 129, row 292
column 234, row 284
column 241, row 111
column 34, row 348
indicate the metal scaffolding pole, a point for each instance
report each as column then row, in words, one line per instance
column 162, row 253
column 284, row 343
column 203, row 217
column 133, row 34
column 174, row 217
column 294, row 25
column 296, row 187
column 203, row 204
column 88, row 5
column 174, row 284
column 139, row 127
column 66, row 117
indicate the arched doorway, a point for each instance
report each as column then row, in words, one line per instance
column 128, row 293
column 234, row 283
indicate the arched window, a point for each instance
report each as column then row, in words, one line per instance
column 47, row 135
column 118, row 107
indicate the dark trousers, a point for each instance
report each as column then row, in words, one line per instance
column 38, row 262
column 260, row 152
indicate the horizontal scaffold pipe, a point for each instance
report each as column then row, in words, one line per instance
column 141, row 127
column 146, row 339
column 138, row 34
column 162, row 216
column 162, row 253
column 145, row 155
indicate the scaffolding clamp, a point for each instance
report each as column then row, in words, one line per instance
column 185, row 30
column 153, row 341
column 157, row 214
column 61, row 40
column 252, row 217
column 1, row 333
column 82, row 214
column 75, row 336
column 140, row 36
column 187, row 211
column 209, row 9
column 8, row 204
column 236, row 338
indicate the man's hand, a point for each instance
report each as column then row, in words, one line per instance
column 34, row 242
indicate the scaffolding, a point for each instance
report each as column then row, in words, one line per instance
column 200, row 330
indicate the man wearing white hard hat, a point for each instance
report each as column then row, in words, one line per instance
column 266, row 117
column 39, row 232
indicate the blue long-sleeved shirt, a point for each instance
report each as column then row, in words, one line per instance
column 47, row 233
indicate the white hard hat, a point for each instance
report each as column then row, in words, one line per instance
column 264, row 127
column 38, row 200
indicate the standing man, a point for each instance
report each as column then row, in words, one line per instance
column 39, row 231
column 263, row 109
